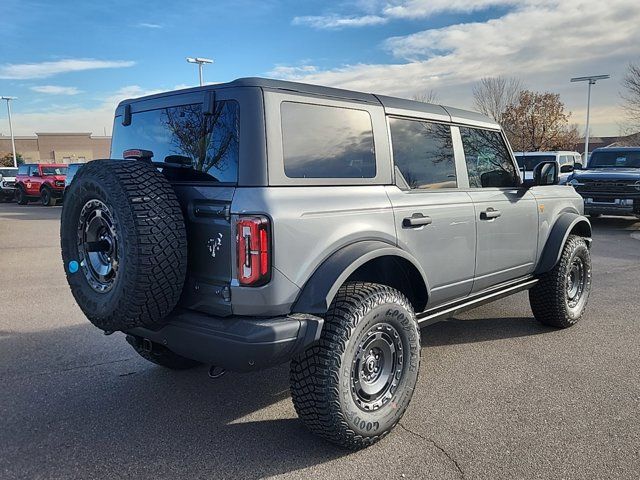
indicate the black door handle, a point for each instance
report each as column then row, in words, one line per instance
column 416, row 220
column 490, row 214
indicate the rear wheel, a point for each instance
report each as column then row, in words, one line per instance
column 353, row 387
column 21, row 196
column 560, row 296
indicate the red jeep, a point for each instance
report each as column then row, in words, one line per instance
column 40, row 181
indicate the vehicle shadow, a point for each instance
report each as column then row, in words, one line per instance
column 72, row 396
column 613, row 224
column 116, row 415
column 458, row 331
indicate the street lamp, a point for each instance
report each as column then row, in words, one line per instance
column 13, row 142
column 200, row 61
column 592, row 81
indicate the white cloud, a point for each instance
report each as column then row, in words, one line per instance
column 337, row 21
column 77, row 119
column 149, row 25
column 48, row 69
column 379, row 12
column 426, row 8
column 292, row 72
column 55, row 90
column 543, row 42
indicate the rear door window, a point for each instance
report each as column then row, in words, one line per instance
column 327, row 142
column 201, row 147
column 23, row 169
column 423, row 152
column 488, row 160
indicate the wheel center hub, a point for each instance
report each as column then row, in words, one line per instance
column 377, row 367
column 98, row 245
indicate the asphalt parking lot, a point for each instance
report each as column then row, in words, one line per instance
column 499, row 396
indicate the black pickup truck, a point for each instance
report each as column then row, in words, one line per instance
column 610, row 185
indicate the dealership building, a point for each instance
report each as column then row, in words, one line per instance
column 57, row 147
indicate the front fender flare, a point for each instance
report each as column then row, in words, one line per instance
column 558, row 235
column 322, row 286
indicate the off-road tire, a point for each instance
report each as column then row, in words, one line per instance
column 151, row 245
column 549, row 297
column 161, row 355
column 21, row 196
column 46, row 197
column 321, row 383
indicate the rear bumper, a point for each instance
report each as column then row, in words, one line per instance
column 238, row 344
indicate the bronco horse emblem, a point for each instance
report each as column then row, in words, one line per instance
column 214, row 244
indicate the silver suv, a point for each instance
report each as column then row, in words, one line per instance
column 257, row 222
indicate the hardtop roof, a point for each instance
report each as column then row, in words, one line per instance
column 394, row 105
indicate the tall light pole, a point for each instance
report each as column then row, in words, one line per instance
column 592, row 81
column 13, row 142
column 200, row 61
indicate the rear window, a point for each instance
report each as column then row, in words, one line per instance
column 205, row 146
column 23, row 169
column 327, row 142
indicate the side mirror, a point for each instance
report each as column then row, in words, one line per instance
column 566, row 168
column 545, row 173
column 577, row 166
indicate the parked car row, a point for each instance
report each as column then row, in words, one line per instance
column 41, row 182
column 609, row 183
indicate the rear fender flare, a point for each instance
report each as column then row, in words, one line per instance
column 319, row 291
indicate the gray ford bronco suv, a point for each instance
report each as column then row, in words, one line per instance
column 257, row 222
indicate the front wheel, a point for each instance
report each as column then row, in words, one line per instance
column 353, row 387
column 46, row 197
column 560, row 296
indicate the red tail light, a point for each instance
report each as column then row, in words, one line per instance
column 254, row 251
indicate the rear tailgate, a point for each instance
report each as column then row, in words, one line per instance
column 206, row 211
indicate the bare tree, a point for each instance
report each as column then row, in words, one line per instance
column 492, row 95
column 427, row 96
column 631, row 96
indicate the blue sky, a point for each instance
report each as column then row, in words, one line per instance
column 69, row 62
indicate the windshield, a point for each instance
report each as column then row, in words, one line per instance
column 8, row 172
column 54, row 170
column 601, row 159
column 530, row 161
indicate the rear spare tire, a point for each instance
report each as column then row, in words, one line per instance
column 124, row 244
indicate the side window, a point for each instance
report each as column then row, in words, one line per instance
column 488, row 161
column 326, row 142
column 206, row 147
column 23, row 169
column 33, row 169
column 423, row 152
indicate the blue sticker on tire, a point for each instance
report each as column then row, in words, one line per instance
column 73, row 266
